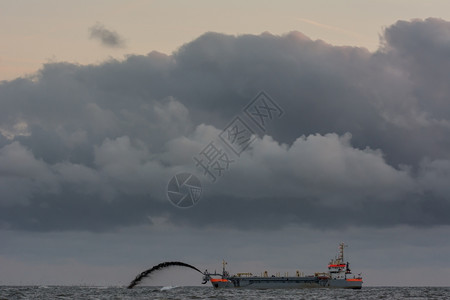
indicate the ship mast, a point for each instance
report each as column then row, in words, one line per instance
column 341, row 252
column 224, row 272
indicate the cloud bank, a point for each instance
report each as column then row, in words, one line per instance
column 363, row 141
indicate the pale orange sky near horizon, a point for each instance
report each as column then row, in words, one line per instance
column 34, row 33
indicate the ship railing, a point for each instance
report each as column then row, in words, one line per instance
column 244, row 274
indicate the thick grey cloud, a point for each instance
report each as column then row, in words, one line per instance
column 364, row 135
column 106, row 37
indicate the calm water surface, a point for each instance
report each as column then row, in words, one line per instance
column 174, row 293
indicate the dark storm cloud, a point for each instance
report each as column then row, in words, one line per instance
column 364, row 138
column 106, row 37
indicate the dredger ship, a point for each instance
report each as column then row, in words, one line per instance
column 339, row 275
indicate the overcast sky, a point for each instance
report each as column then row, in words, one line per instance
column 357, row 148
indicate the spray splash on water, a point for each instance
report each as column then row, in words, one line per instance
column 163, row 265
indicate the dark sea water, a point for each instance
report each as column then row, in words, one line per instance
column 174, row 293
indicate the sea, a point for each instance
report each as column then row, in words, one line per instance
column 174, row 293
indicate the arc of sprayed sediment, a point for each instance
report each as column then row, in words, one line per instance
column 160, row 266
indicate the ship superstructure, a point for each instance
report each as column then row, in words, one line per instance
column 339, row 275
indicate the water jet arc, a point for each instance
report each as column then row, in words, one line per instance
column 160, row 266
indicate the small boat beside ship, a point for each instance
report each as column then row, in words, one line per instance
column 339, row 275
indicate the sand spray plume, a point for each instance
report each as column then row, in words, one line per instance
column 163, row 265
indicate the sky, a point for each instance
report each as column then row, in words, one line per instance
column 347, row 111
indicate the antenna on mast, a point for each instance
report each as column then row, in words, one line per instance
column 341, row 251
column 224, row 263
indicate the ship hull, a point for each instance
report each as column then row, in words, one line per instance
column 285, row 283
